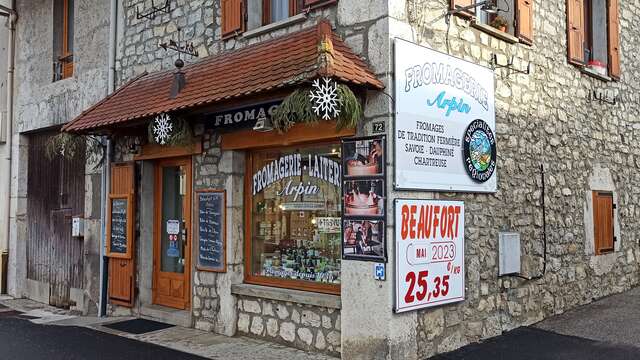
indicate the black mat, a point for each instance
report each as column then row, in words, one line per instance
column 138, row 326
column 9, row 313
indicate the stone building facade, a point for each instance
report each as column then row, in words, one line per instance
column 42, row 105
column 547, row 117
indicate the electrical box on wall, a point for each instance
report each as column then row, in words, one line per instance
column 509, row 252
column 77, row 227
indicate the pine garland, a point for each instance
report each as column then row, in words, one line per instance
column 69, row 146
column 297, row 108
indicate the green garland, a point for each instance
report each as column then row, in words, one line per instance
column 69, row 146
column 181, row 134
column 297, row 108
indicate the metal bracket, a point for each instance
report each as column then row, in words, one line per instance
column 155, row 10
column 602, row 96
column 509, row 65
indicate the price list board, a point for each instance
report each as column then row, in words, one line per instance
column 211, row 211
column 119, row 229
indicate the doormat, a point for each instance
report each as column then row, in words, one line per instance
column 10, row 313
column 138, row 326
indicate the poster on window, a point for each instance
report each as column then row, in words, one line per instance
column 445, row 122
column 364, row 199
column 429, row 236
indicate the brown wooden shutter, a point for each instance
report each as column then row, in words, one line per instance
column 524, row 21
column 121, row 270
column 454, row 4
column 575, row 31
column 614, row 40
column 232, row 17
column 603, row 222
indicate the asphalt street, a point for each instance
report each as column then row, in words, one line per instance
column 23, row 340
column 607, row 329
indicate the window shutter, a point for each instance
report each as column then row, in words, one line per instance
column 524, row 21
column 614, row 40
column 121, row 270
column 575, row 31
column 603, row 222
column 232, row 17
column 454, row 4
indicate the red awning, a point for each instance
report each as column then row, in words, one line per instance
column 274, row 64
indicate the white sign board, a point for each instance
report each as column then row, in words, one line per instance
column 429, row 253
column 445, row 122
column 173, row 227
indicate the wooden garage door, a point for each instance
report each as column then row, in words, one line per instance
column 55, row 190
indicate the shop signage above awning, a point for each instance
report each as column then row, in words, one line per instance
column 266, row 67
column 241, row 118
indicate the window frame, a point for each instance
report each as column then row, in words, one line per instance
column 249, row 277
column 64, row 30
column 295, row 7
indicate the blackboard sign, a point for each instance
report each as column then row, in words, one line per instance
column 211, row 207
column 119, row 227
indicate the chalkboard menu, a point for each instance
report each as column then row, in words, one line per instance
column 211, row 230
column 118, row 227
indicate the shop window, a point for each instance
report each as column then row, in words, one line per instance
column 603, row 215
column 63, row 30
column 294, row 227
column 593, row 35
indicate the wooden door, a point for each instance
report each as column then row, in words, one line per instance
column 172, row 233
column 55, row 188
column 121, row 269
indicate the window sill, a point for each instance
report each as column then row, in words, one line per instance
column 585, row 70
column 287, row 295
column 275, row 26
column 496, row 33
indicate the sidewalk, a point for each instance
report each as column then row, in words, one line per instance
column 191, row 341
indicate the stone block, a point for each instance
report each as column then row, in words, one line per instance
column 305, row 335
column 272, row 327
column 288, row 331
column 243, row 323
column 251, row 306
column 310, row 318
column 257, row 325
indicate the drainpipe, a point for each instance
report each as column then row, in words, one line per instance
column 12, row 16
column 106, row 178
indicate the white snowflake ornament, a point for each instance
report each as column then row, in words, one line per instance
column 162, row 128
column 324, row 97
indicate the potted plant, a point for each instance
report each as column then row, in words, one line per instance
column 499, row 23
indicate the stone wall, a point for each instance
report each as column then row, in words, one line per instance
column 305, row 327
column 541, row 118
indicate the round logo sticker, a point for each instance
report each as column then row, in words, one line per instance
column 479, row 151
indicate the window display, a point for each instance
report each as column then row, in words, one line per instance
column 295, row 216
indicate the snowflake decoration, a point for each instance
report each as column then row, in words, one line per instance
column 324, row 97
column 162, row 129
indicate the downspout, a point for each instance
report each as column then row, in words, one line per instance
column 4, row 246
column 106, row 178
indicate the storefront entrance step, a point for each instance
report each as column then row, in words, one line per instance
column 166, row 315
column 288, row 295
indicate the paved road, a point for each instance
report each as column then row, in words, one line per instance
column 21, row 339
column 608, row 329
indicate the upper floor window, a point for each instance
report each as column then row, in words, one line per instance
column 593, row 35
column 241, row 15
column 62, row 39
column 513, row 17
